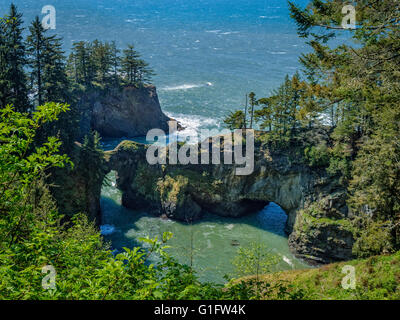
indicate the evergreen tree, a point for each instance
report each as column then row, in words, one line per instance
column 116, row 64
column 102, row 57
column 84, row 71
column 135, row 70
column 265, row 115
column 4, row 66
column 236, row 120
column 13, row 86
column 358, row 84
column 36, row 47
column 280, row 112
column 253, row 103
column 129, row 65
column 55, row 81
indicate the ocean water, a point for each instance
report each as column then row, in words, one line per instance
column 207, row 55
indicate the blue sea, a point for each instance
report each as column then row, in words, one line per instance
column 207, row 53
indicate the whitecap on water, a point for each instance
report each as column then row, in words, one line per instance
column 193, row 124
column 186, row 86
column 107, row 229
column 288, row 261
column 277, row 52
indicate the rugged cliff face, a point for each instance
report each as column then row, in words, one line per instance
column 78, row 189
column 127, row 112
column 315, row 203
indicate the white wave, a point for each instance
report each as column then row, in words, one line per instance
column 288, row 261
column 222, row 33
column 193, row 124
column 269, row 17
column 277, row 52
column 186, row 86
column 107, row 229
column 230, row 32
column 133, row 20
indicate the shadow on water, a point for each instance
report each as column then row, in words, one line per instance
column 271, row 219
column 210, row 243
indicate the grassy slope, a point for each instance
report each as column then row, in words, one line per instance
column 377, row 278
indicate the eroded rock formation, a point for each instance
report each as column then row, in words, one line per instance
column 127, row 112
column 315, row 203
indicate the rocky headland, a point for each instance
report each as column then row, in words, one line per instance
column 122, row 112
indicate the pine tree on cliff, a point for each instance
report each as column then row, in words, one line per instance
column 102, row 56
column 235, row 120
column 253, row 103
column 48, row 77
column 116, row 63
column 129, row 65
column 13, row 84
column 135, row 70
column 80, row 64
column 4, row 84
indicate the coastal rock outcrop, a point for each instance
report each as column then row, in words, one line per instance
column 315, row 203
column 122, row 112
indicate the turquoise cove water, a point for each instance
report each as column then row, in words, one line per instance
column 211, row 243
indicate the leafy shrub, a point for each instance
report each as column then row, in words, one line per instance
column 317, row 156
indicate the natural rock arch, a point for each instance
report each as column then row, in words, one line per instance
column 186, row 192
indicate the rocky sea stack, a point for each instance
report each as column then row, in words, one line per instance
column 123, row 112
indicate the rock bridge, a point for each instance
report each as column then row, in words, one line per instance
column 315, row 204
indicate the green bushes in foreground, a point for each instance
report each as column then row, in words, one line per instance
column 34, row 239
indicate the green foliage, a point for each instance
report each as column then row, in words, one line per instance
column 280, row 112
column 13, row 84
column 255, row 259
column 376, row 279
column 135, row 70
column 99, row 64
column 236, row 120
column 32, row 235
column 317, row 156
column 373, row 238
